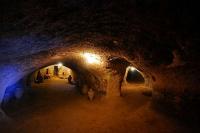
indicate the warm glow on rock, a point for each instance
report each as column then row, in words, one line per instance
column 60, row 64
column 132, row 68
column 92, row 58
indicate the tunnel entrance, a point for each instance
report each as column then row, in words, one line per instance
column 134, row 82
column 52, row 71
column 134, row 76
column 54, row 77
column 42, row 85
column 56, row 70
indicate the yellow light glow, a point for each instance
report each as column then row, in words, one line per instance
column 132, row 68
column 92, row 58
column 60, row 64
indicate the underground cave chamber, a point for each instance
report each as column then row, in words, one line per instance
column 99, row 66
column 88, row 74
column 109, row 77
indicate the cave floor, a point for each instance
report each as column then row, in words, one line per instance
column 59, row 108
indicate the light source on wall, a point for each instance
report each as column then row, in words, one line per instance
column 131, row 68
column 60, row 64
column 92, row 58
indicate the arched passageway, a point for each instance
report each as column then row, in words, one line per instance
column 55, row 99
column 84, row 75
column 134, row 76
column 108, row 80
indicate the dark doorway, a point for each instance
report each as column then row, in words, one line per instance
column 47, row 71
column 55, row 70
column 134, row 76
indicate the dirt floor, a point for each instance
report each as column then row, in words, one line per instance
column 56, row 107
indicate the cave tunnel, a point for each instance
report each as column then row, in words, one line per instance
column 99, row 66
column 134, row 76
column 81, row 72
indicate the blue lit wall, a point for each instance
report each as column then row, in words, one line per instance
column 9, row 76
column 15, row 60
column 12, row 91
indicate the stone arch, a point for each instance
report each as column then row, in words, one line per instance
column 90, row 78
column 68, row 55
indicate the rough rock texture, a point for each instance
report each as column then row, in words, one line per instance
column 159, row 37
